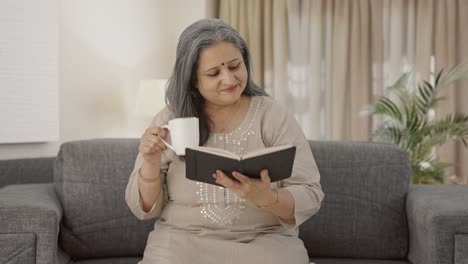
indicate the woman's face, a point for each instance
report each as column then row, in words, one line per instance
column 221, row 74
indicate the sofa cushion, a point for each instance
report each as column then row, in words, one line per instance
column 90, row 180
column 18, row 248
column 110, row 261
column 363, row 214
column 33, row 209
column 461, row 248
column 356, row 261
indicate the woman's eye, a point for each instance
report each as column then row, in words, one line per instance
column 231, row 68
column 234, row 67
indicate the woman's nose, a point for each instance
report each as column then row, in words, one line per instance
column 227, row 77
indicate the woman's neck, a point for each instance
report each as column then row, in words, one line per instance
column 226, row 118
column 215, row 110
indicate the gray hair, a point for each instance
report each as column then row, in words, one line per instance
column 182, row 97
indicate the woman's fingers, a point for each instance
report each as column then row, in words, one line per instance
column 224, row 180
column 146, row 150
column 157, row 131
column 240, row 177
column 155, row 143
column 154, row 135
column 151, row 143
column 246, row 187
column 265, row 176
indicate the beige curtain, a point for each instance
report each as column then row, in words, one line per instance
column 302, row 53
column 263, row 24
column 462, row 91
column 426, row 36
column 450, row 48
column 326, row 59
column 351, row 76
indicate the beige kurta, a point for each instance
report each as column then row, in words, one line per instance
column 203, row 223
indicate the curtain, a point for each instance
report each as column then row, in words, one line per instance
column 263, row 25
column 426, row 36
column 450, row 48
column 327, row 59
column 290, row 48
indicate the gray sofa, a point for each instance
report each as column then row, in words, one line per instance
column 71, row 209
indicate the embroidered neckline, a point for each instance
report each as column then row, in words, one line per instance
column 218, row 204
column 238, row 136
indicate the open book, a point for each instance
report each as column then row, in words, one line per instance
column 202, row 163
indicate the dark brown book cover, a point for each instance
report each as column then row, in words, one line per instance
column 202, row 163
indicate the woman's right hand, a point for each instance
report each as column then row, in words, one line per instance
column 151, row 145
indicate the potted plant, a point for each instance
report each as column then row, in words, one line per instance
column 408, row 119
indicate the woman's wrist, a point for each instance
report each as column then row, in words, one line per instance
column 149, row 172
column 273, row 201
column 148, row 180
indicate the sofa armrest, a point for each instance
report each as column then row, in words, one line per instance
column 438, row 224
column 29, row 223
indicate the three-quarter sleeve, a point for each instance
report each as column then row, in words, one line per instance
column 281, row 128
column 132, row 192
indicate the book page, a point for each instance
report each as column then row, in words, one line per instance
column 216, row 151
column 264, row 151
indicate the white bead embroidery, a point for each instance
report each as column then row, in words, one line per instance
column 218, row 204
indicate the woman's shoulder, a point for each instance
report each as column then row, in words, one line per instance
column 162, row 117
column 270, row 107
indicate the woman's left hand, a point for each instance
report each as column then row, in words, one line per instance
column 257, row 191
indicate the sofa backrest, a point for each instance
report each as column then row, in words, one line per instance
column 29, row 170
column 90, row 179
column 363, row 214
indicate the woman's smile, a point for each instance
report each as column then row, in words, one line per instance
column 231, row 88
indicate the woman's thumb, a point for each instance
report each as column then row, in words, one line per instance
column 265, row 175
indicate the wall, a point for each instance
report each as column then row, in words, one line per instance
column 106, row 47
column 29, row 61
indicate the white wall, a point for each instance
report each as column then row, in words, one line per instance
column 29, row 61
column 106, row 47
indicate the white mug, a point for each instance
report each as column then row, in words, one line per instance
column 184, row 133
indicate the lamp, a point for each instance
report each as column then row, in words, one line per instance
column 150, row 97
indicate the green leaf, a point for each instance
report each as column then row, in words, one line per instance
column 405, row 122
column 437, row 79
column 386, row 107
